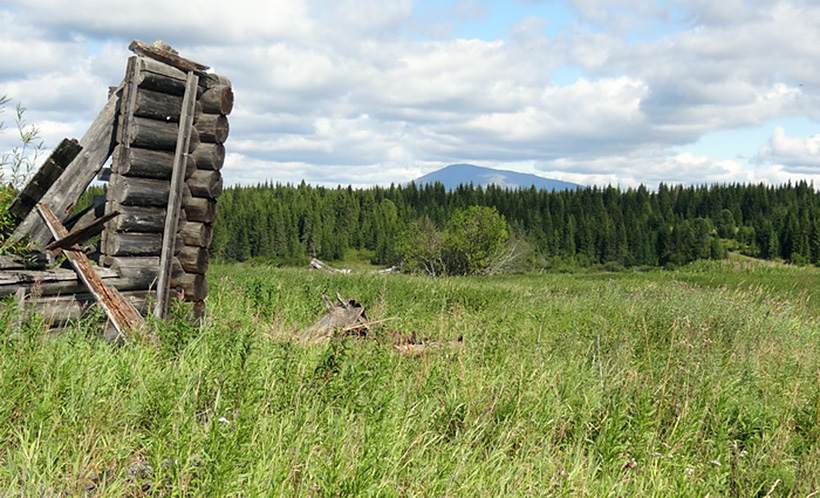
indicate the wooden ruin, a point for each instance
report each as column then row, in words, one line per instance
column 164, row 129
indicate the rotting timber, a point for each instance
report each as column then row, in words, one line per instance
column 163, row 129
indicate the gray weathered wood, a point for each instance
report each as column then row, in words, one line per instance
column 134, row 244
column 122, row 314
column 158, row 135
column 197, row 234
column 157, row 105
column 132, row 191
column 194, row 259
column 204, row 183
column 147, row 163
column 33, row 261
column 175, row 196
column 212, row 128
column 58, row 311
column 166, row 57
column 217, row 100
column 193, row 287
column 161, row 77
column 209, row 156
column 200, row 209
column 44, row 178
column 139, row 219
column 81, row 234
column 97, row 144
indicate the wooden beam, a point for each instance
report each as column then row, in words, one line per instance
column 166, row 55
column 97, row 144
column 186, row 121
column 81, row 235
column 123, row 315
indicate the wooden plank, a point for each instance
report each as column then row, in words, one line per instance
column 122, row 313
column 81, row 235
column 44, row 178
column 97, row 144
column 166, row 55
column 175, row 196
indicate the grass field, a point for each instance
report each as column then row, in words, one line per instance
column 704, row 381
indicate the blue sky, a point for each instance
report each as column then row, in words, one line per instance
column 369, row 92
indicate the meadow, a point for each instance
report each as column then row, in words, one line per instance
column 702, row 381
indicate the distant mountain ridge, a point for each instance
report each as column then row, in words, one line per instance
column 464, row 174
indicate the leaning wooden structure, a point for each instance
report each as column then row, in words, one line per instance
column 164, row 129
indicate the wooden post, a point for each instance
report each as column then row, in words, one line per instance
column 122, row 313
column 186, row 121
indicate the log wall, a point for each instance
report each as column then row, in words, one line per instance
column 145, row 131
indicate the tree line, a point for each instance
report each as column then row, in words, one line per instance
column 592, row 226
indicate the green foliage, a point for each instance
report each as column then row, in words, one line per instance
column 472, row 240
column 694, row 382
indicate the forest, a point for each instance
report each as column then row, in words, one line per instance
column 672, row 225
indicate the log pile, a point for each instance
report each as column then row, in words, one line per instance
column 164, row 128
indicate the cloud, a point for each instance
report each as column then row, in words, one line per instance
column 793, row 155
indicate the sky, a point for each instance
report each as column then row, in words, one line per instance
column 373, row 92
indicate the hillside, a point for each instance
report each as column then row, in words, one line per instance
column 464, row 174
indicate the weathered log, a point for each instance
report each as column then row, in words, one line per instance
column 97, row 144
column 197, row 234
column 160, row 106
column 217, row 100
column 141, row 269
column 153, row 134
column 212, row 128
column 166, row 55
column 200, row 209
column 138, row 219
column 33, row 261
column 194, row 259
column 204, row 183
column 147, row 163
column 191, row 286
column 211, row 79
column 58, row 311
column 348, row 315
column 81, row 234
column 209, row 156
column 133, row 244
column 132, row 191
column 44, row 178
column 161, row 77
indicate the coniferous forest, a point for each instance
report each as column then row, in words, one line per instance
column 594, row 226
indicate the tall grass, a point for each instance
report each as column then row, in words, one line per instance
column 687, row 383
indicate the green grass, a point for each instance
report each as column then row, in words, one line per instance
column 702, row 381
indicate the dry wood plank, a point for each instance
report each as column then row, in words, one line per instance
column 122, row 314
column 65, row 281
column 59, row 311
column 218, row 99
column 44, row 178
column 209, row 156
column 97, row 144
column 212, row 128
column 175, row 197
column 82, row 234
column 33, row 261
column 87, row 216
column 205, row 183
column 166, row 56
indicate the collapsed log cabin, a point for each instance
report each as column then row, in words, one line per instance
column 164, row 128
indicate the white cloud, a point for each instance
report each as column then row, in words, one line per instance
column 793, row 155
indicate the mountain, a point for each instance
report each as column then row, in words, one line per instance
column 463, row 174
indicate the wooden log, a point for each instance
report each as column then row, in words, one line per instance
column 147, row 163
column 197, row 234
column 200, row 209
column 209, row 156
column 97, row 144
column 158, row 105
column 158, row 135
column 166, row 56
column 44, row 178
column 217, row 99
column 81, row 234
column 204, row 183
column 137, row 269
column 63, row 281
column 33, row 261
column 191, row 286
column 133, row 244
column 194, row 259
column 211, row 79
column 212, row 128
column 139, row 219
column 132, row 191
column 122, row 314
column 58, row 311
column 161, row 77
